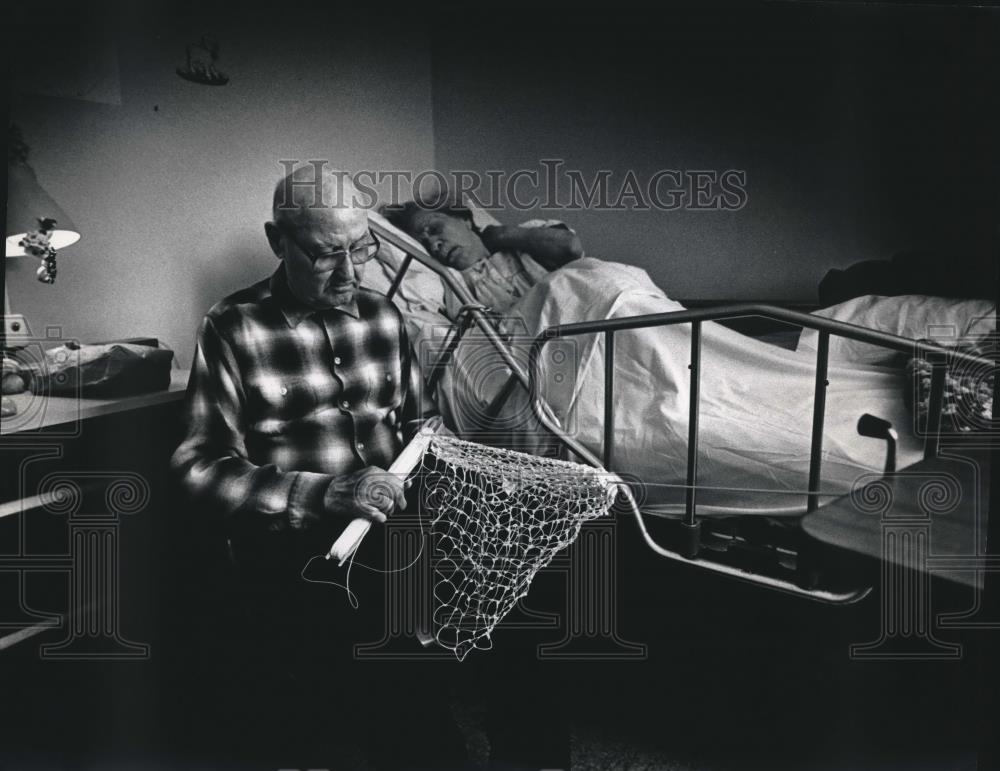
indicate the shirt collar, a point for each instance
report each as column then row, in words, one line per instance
column 295, row 310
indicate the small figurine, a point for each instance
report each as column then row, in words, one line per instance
column 37, row 244
column 198, row 71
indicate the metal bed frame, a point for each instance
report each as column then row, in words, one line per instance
column 691, row 535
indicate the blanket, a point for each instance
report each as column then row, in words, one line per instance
column 755, row 407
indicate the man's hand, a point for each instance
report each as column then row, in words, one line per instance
column 371, row 493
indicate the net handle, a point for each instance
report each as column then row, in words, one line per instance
column 405, row 462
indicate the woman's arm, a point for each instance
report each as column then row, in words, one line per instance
column 551, row 247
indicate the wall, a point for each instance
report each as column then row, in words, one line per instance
column 862, row 130
column 171, row 187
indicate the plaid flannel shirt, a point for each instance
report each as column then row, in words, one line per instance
column 283, row 398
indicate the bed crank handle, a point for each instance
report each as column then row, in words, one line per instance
column 877, row 428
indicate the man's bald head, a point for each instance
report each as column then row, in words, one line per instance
column 312, row 190
column 317, row 222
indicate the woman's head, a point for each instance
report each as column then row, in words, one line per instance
column 446, row 232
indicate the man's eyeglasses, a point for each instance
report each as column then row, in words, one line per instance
column 360, row 253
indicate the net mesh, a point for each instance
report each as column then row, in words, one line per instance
column 497, row 517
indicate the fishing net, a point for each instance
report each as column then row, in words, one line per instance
column 497, row 517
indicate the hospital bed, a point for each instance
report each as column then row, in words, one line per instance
column 807, row 554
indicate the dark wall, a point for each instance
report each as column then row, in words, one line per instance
column 863, row 131
column 170, row 182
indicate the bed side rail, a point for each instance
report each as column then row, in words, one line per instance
column 826, row 327
column 690, row 526
column 529, row 381
column 474, row 313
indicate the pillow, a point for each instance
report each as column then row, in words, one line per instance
column 421, row 286
column 944, row 321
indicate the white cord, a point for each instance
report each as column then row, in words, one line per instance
column 346, row 586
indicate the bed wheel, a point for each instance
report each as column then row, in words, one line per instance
column 690, row 540
column 807, row 568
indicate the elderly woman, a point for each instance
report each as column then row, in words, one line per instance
column 498, row 264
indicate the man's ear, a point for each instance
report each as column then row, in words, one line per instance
column 274, row 239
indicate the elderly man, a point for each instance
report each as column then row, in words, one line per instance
column 302, row 392
column 302, row 384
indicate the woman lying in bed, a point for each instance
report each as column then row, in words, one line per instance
column 755, row 399
column 498, row 264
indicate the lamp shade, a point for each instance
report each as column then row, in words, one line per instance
column 27, row 202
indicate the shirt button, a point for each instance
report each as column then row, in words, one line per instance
column 388, row 378
column 345, row 404
column 336, row 360
column 284, row 391
column 361, row 445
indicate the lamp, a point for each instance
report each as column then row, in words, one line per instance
column 36, row 226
